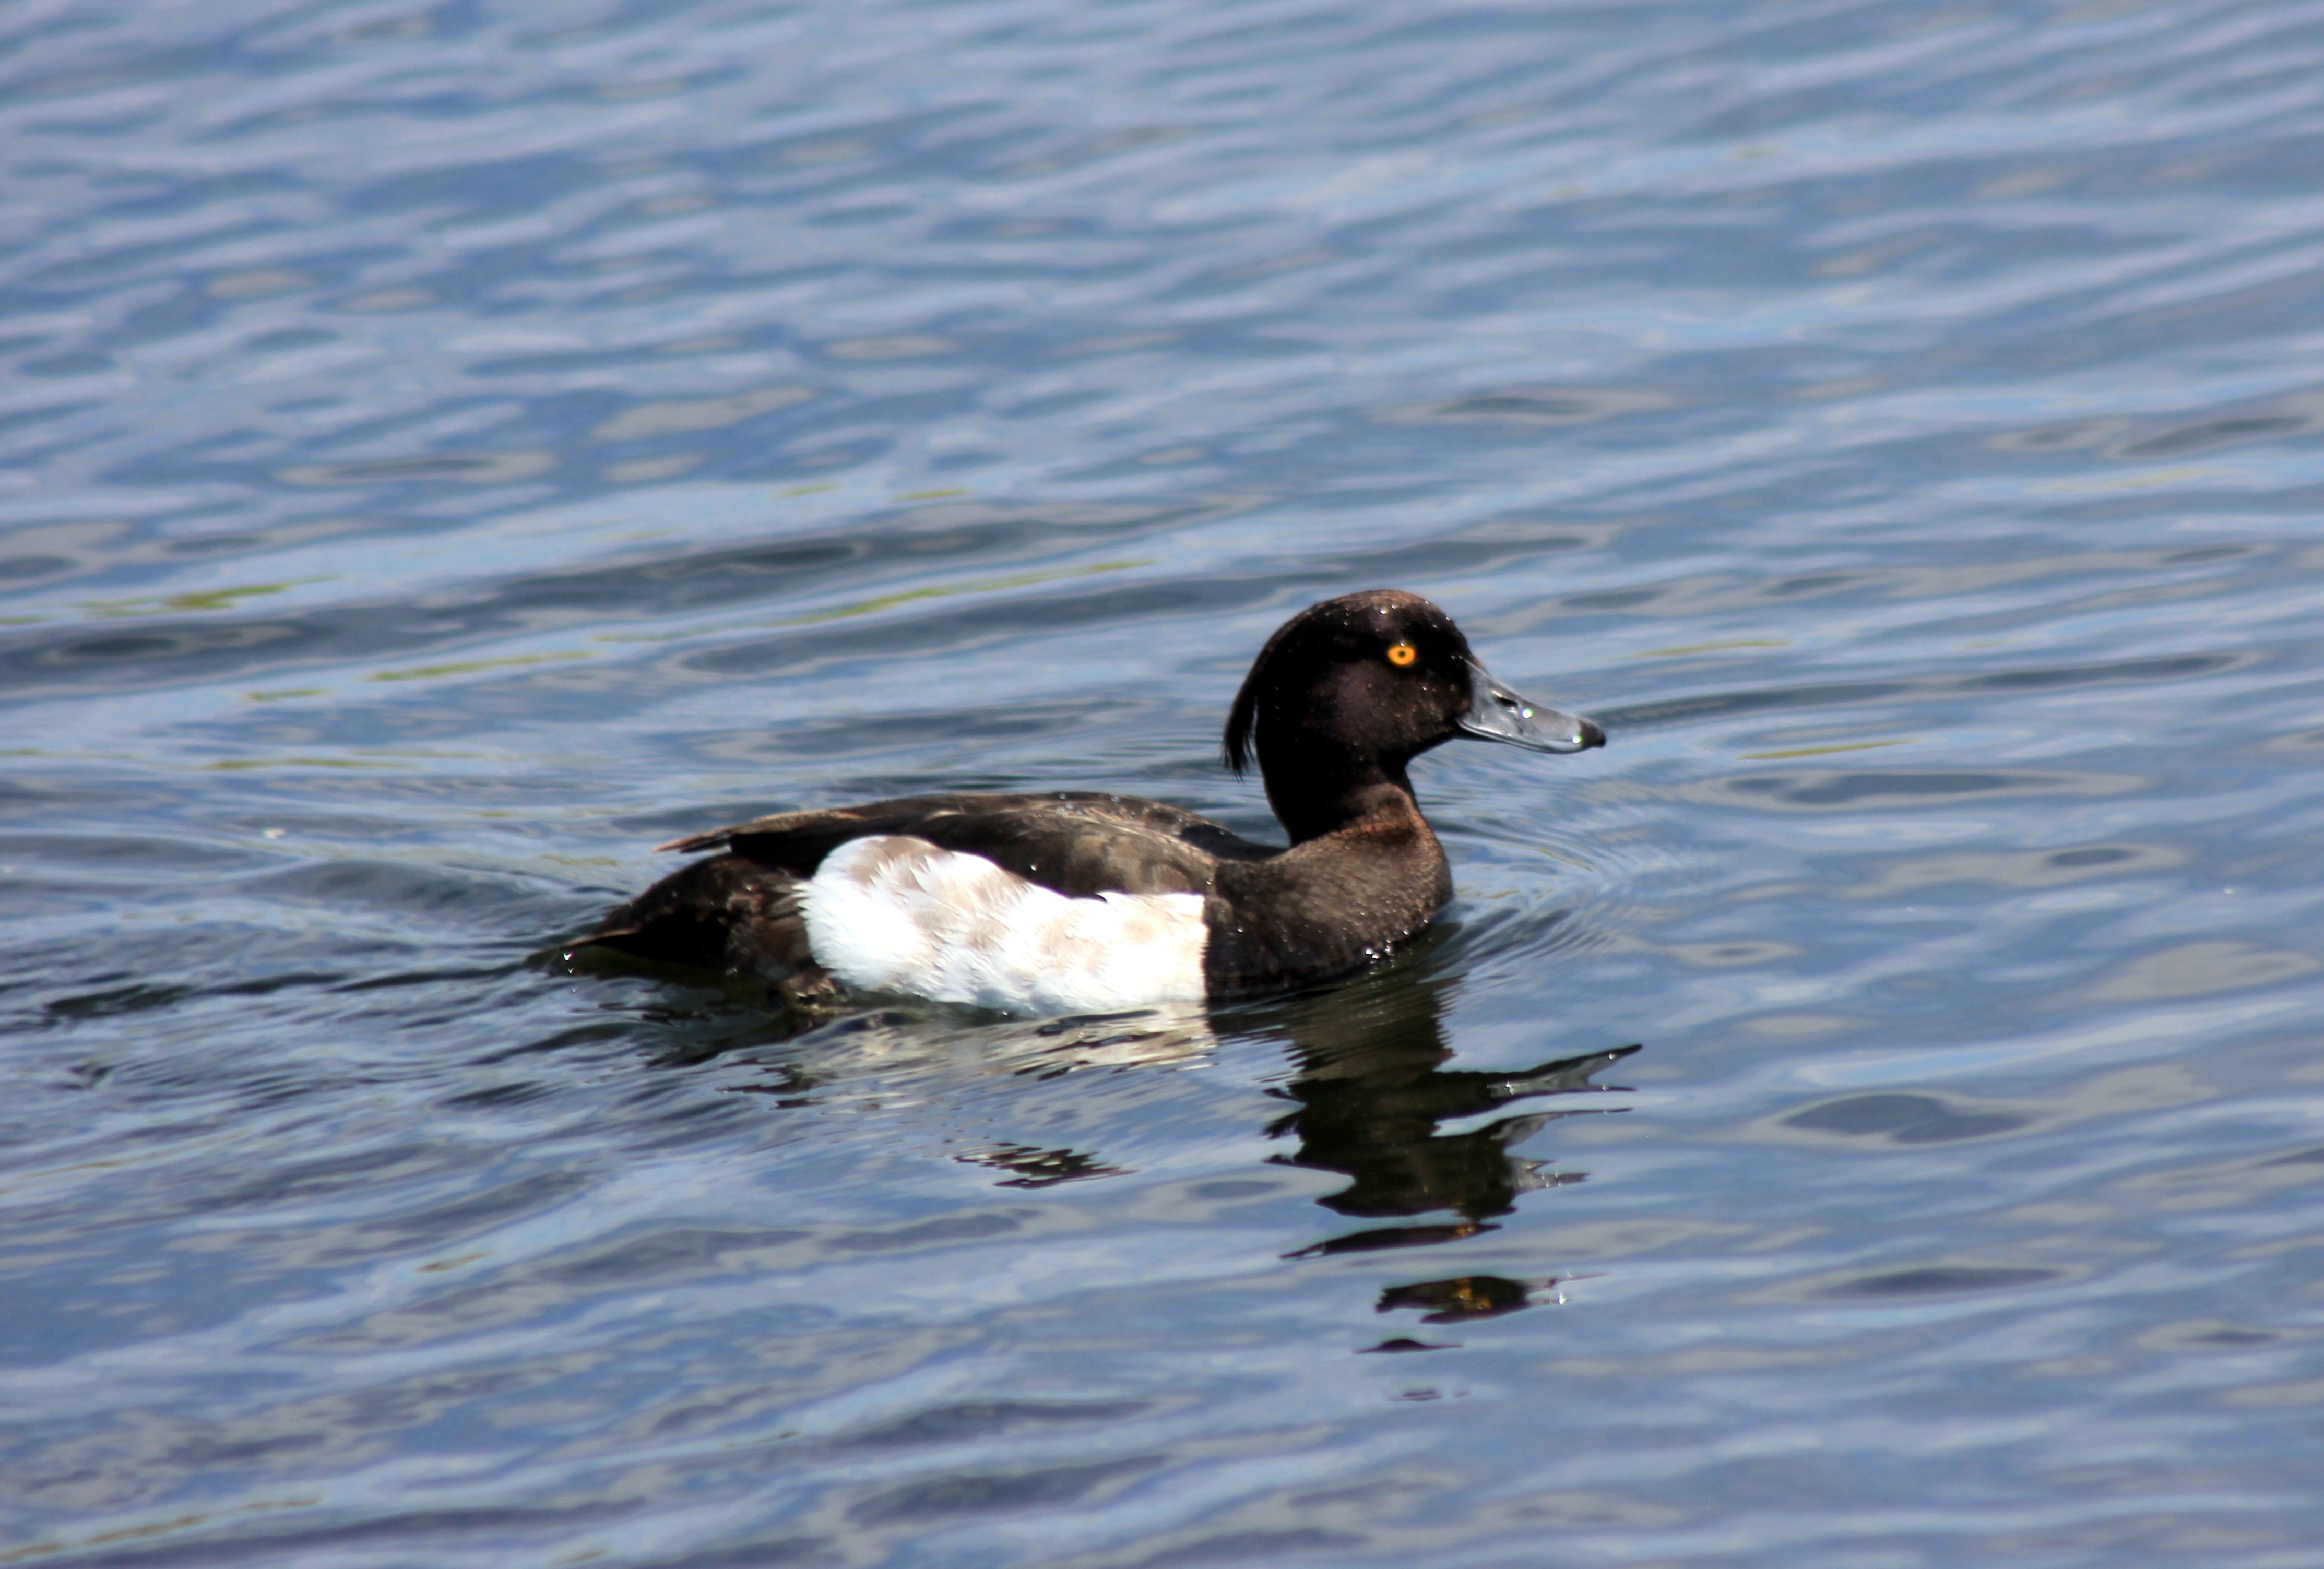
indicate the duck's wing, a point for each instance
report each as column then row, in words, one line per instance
column 1078, row 842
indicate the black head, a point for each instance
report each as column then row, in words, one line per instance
column 1350, row 690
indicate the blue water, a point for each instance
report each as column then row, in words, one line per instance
column 448, row 449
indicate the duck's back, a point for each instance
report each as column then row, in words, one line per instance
column 1077, row 843
column 1066, row 902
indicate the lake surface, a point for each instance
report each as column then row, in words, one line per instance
column 448, row 449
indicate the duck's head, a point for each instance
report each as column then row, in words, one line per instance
column 1355, row 687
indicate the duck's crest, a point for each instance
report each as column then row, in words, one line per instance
column 1243, row 719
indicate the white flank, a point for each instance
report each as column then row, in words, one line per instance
column 897, row 914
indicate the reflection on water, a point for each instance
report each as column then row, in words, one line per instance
column 1373, row 1095
column 1465, row 1296
column 1367, row 1073
column 1039, row 1168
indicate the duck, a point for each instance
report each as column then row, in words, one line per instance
column 1078, row 902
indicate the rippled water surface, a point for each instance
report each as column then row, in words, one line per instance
column 450, row 449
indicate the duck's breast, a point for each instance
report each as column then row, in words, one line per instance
column 893, row 913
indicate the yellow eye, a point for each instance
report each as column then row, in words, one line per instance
column 1402, row 654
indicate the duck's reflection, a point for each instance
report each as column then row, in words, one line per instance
column 1032, row 1166
column 1465, row 1296
column 1372, row 1097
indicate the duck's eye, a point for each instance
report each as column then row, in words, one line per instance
column 1402, row 654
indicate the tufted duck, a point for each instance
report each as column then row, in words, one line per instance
column 1078, row 902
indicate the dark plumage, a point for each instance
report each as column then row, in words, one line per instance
column 1337, row 703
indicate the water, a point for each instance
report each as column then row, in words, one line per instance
column 451, row 449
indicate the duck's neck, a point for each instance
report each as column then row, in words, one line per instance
column 1315, row 795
